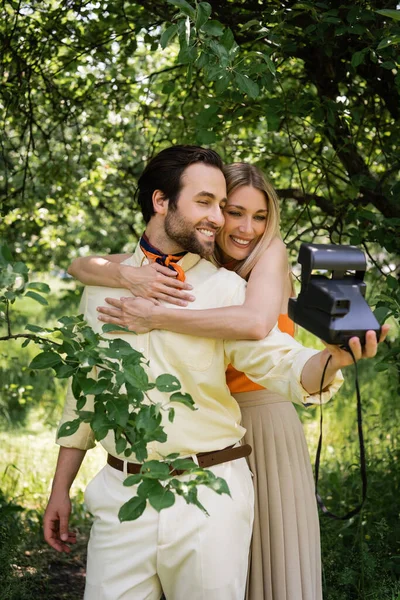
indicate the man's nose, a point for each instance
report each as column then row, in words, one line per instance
column 216, row 217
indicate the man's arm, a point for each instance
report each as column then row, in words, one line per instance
column 56, row 517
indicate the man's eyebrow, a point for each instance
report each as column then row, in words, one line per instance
column 209, row 195
column 243, row 208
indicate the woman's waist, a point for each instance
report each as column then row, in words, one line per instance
column 258, row 398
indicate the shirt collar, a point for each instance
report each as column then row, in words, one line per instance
column 138, row 259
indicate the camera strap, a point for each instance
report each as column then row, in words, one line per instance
column 363, row 470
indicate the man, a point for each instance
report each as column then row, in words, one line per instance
column 180, row 551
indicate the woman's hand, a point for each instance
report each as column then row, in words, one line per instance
column 133, row 313
column 156, row 282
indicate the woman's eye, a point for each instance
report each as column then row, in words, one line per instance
column 234, row 213
column 260, row 218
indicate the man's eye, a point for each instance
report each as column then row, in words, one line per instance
column 203, row 202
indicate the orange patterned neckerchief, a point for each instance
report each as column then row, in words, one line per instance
column 167, row 260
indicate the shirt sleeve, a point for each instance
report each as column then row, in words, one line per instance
column 83, row 438
column 276, row 363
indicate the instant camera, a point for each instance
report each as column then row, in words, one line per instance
column 333, row 308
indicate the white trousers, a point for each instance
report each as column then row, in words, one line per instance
column 179, row 551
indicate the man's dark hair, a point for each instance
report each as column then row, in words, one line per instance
column 164, row 172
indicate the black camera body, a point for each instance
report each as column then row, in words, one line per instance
column 334, row 309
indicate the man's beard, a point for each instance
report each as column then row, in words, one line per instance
column 183, row 233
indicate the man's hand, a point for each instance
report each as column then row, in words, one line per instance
column 133, row 313
column 312, row 370
column 156, row 282
column 55, row 523
column 342, row 358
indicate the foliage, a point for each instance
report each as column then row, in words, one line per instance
column 118, row 399
column 309, row 91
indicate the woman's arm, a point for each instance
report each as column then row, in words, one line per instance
column 266, row 297
column 153, row 281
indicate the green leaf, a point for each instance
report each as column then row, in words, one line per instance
column 45, row 360
column 381, row 313
column 214, row 28
column 109, row 328
column 270, row 64
column 219, row 485
column 203, row 14
column 155, row 469
column 136, row 376
column 34, row 328
column 25, row 343
column 131, row 510
column 68, row 428
column 80, row 403
column 222, row 84
column 390, row 41
column 168, row 34
column 206, row 137
column 167, row 383
column 132, row 480
column 161, row 499
column 184, row 6
column 22, row 269
column 37, row 297
column 358, row 57
column 247, row 85
column 392, row 14
column 37, row 285
column 392, row 282
column 171, row 415
column 185, row 399
column 149, row 486
column 184, row 464
column 5, row 255
column 220, row 51
column 118, row 411
column 120, row 445
column 250, row 24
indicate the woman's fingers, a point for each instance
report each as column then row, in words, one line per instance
column 171, row 299
column 112, row 312
column 114, row 320
column 114, row 302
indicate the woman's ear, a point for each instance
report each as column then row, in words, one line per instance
column 160, row 202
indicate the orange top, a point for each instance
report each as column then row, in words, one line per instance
column 238, row 382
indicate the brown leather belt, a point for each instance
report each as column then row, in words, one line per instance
column 205, row 459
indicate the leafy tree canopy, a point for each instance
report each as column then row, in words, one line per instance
column 309, row 91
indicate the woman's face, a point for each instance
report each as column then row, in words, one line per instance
column 245, row 221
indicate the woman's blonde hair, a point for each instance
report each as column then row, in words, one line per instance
column 238, row 175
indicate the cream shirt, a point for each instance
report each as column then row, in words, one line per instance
column 200, row 363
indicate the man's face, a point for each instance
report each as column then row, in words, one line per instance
column 197, row 217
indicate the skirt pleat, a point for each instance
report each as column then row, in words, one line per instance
column 285, row 551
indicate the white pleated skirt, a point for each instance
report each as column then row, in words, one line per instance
column 285, row 551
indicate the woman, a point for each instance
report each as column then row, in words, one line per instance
column 285, row 553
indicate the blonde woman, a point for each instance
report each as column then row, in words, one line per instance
column 285, row 554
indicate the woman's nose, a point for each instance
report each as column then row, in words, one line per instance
column 246, row 226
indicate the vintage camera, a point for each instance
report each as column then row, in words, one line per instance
column 334, row 309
